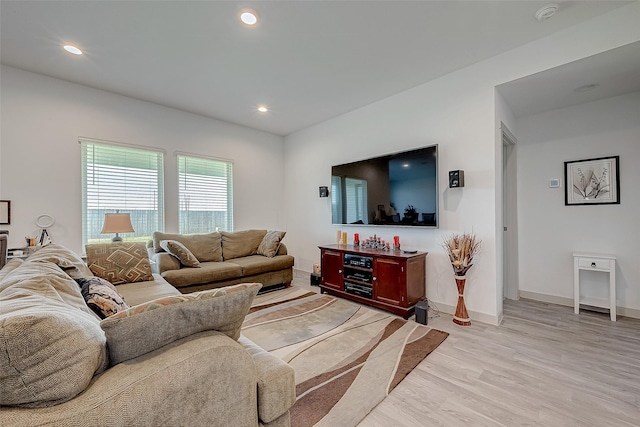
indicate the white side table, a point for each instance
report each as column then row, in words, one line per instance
column 594, row 262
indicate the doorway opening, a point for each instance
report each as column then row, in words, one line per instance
column 509, row 215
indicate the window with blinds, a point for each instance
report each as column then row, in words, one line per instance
column 205, row 192
column 118, row 178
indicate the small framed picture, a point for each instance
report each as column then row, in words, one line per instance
column 5, row 212
column 592, row 181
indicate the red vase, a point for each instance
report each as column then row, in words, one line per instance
column 461, row 317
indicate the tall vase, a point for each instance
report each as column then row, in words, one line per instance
column 461, row 317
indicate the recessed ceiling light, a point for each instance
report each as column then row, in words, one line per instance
column 249, row 17
column 406, row 165
column 546, row 12
column 72, row 49
column 262, row 109
column 586, row 88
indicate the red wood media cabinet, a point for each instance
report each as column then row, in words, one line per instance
column 390, row 280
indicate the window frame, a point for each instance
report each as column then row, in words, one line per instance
column 223, row 222
column 108, row 207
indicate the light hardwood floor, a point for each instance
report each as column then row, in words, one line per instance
column 543, row 366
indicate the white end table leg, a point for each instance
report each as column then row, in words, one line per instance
column 612, row 290
column 576, row 287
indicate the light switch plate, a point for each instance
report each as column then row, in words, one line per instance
column 554, row 183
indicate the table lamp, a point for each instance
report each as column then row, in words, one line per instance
column 117, row 223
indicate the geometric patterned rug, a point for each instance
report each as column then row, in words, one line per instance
column 347, row 357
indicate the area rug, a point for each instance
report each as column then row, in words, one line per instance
column 347, row 357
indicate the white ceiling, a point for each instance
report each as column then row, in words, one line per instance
column 614, row 72
column 308, row 61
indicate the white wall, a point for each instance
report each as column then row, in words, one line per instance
column 458, row 113
column 550, row 231
column 43, row 117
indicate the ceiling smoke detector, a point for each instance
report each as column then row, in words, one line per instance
column 546, row 12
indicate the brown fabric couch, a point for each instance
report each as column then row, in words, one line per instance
column 57, row 364
column 225, row 259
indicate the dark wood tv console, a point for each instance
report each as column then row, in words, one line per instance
column 390, row 280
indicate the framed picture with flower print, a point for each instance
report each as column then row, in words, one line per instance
column 592, row 181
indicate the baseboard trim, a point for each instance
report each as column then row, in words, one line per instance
column 473, row 315
column 552, row 299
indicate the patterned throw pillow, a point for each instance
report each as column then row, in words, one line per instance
column 149, row 326
column 181, row 252
column 120, row 262
column 101, row 296
column 271, row 243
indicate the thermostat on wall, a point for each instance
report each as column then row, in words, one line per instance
column 554, row 183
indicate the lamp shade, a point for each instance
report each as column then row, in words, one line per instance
column 117, row 223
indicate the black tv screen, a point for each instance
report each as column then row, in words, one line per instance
column 396, row 189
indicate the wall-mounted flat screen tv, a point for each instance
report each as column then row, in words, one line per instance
column 396, row 189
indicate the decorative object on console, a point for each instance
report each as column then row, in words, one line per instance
column 461, row 249
column 356, row 239
column 5, row 212
column 375, row 242
column 396, row 242
column 117, row 223
column 592, row 181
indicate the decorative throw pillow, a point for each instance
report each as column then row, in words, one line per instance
column 180, row 251
column 271, row 243
column 120, row 262
column 101, row 296
column 149, row 326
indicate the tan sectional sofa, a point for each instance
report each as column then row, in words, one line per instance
column 55, row 366
column 224, row 259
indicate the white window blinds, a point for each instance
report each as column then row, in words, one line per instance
column 125, row 179
column 205, row 191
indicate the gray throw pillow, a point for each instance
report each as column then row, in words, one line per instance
column 149, row 326
column 180, row 251
column 271, row 243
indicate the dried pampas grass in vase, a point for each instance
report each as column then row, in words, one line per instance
column 461, row 248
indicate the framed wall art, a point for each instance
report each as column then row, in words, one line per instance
column 5, row 212
column 592, row 181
